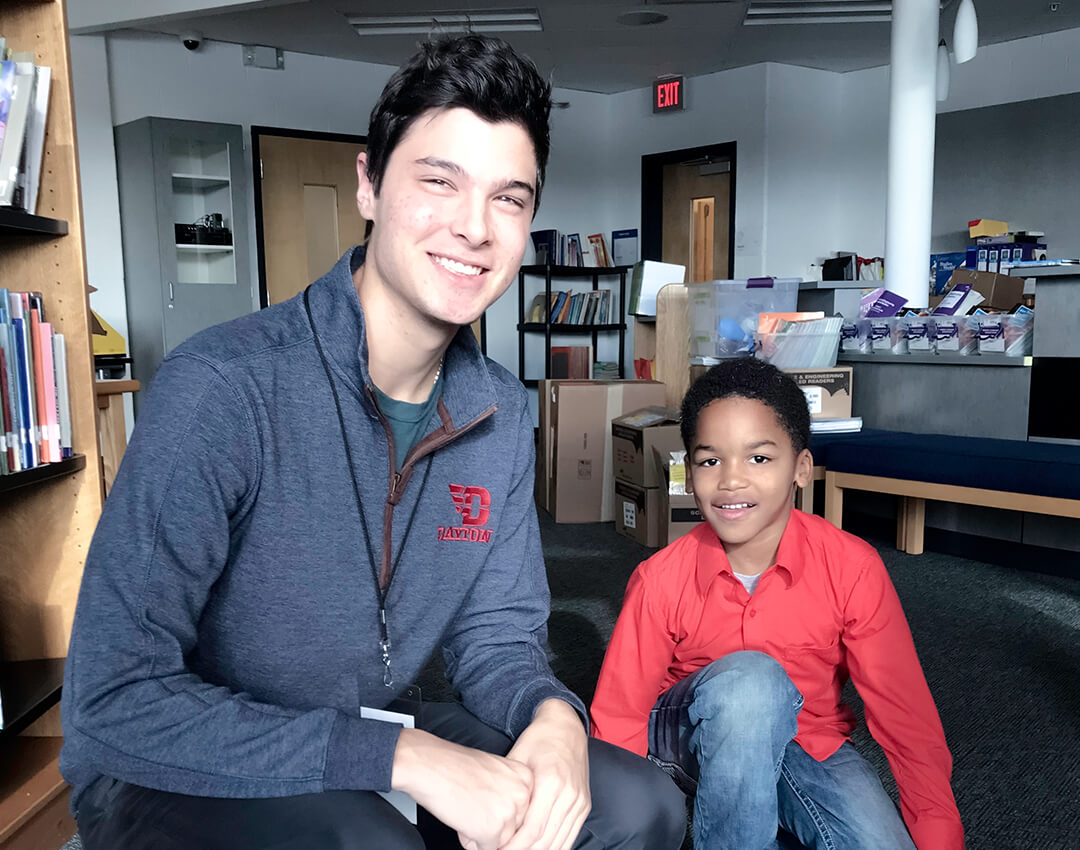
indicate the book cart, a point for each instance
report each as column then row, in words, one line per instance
column 47, row 514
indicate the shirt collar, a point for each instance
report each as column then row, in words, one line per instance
column 791, row 555
column 468, row 388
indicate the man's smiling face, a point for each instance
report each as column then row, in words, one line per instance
column 452, row 218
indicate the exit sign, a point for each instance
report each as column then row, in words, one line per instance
column 668, row 93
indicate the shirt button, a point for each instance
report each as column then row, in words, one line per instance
column 753, row 612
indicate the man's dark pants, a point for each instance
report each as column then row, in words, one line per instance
column 635, row 806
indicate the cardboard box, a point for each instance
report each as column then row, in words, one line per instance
column 637, row 512
column 828, row 391
column 999, row 291
column 578, row 443
column 543, row 446
column 679, row 515
column 987, row 227
column 634, row 437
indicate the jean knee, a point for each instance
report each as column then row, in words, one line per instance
column 745, row 687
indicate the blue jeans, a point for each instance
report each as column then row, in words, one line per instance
column 726, row 734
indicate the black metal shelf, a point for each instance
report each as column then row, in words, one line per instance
column 552, row 273
column 40, row 474
column 18, row 223
column 559, row 327
column 28, row 689
column 575, row 271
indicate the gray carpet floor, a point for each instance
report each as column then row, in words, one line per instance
column 1000, row 648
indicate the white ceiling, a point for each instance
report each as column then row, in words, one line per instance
column 582, row 46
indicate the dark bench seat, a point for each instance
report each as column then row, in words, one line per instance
column 1016, row 475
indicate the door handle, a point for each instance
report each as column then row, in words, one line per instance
column 172, row 295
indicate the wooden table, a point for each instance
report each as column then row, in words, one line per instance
column 112, row 430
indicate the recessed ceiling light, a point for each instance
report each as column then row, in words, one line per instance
column 641, row 18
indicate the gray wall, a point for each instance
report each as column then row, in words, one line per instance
column 1016, row 162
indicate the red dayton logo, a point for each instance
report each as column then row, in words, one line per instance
column 474, row 505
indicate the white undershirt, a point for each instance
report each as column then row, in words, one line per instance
column 749, row 582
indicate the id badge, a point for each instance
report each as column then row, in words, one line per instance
column 403, row 710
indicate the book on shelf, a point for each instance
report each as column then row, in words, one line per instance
column 34, row 384
column 5, row 416
column 63, row 398
column 592, row 307
column 11, row 149
column 624, row 246
column 535, row 313
column 34, row 150
column 24, row 101
column 546, row 245
column 600, row 251
column 7, row 88
column 571, row 361
column 574, row 256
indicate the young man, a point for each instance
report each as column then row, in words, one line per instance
column 734, row 644
column 319, row 496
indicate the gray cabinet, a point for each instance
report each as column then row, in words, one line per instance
column 184, row 222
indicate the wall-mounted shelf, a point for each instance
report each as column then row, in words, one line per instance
column 28, row 689
column 203, row 249
column 201, row 181
column 40, row 474
column 17, row 223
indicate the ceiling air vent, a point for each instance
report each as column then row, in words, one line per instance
column 775, row 12
column 425, row 23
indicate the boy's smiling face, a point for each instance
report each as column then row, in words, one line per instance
column 742, row 466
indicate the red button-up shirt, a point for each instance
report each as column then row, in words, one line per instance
column 825, row 610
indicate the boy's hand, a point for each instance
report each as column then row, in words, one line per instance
column 555, row 747
column 482, row 796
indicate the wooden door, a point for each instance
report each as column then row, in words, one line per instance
column 691, row 197
column 309, row 214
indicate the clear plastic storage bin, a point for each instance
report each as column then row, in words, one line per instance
column 724, row 313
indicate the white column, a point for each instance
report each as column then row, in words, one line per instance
column 912, row 112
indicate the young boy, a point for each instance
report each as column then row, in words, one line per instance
column 734, row 643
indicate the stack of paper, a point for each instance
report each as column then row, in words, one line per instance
column 801, row 345
column 849, row 425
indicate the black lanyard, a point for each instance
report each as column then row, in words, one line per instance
column 381, row 593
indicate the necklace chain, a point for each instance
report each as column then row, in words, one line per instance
column 437, row 373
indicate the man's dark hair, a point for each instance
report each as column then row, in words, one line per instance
column 748, row 377
column 475, row 72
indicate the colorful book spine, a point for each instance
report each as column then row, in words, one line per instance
column 63, row 396
column 37, row 375
column 5, row 416
column 7, row 344
column 50, row 424
column 27, row 425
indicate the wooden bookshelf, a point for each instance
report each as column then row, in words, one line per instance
column 46, row 526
